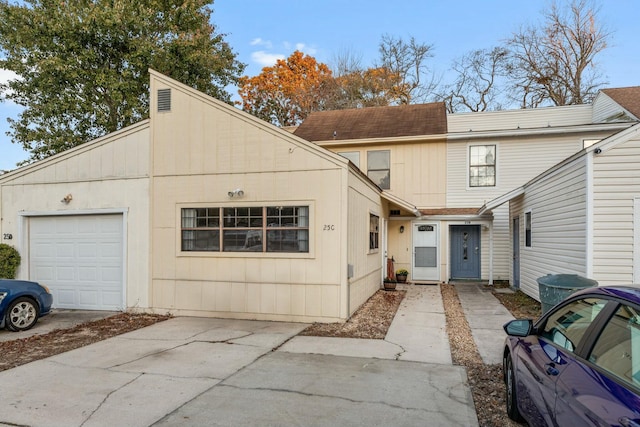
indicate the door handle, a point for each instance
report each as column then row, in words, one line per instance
column 551, row 369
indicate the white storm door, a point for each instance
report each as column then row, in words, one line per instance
column 80, row 258
column 425, row 252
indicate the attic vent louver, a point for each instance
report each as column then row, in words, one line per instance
column 394, row 212
column 164, row 100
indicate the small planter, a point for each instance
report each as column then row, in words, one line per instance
column 390, row 285
column 401, row 275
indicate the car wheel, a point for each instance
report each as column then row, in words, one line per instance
column 512, row 398
column 21, row 315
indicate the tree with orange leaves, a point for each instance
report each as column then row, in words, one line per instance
column 286, row 93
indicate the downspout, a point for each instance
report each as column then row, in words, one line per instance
column 589, row 214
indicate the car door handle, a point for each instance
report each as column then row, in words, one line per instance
column 627, row 422
column 551, row 369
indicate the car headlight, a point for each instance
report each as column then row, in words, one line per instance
column 45, row 288
column 2, row 295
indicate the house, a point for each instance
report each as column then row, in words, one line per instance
column 581, row 216
column 202, row 210
column 205, row 210
column 449, row 166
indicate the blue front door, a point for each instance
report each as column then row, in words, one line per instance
column 465, row 252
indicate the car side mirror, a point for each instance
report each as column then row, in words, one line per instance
column 519, row 328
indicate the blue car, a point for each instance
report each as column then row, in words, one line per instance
column 22, row 303
column 579, row 364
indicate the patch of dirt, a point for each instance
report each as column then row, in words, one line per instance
column 21, row 351
column 370, row 321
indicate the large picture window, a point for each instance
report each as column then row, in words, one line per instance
column 246, row 229
column 379, row 168
column 482, row 166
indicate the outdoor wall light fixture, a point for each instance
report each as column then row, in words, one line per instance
column 402, row 228
column 66, row 199
column 236, row 193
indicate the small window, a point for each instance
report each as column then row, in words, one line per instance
column 374, row 232
column 482, row 166
column 379, row 168
column 617, row 350
column 353, row 156
column 527, row 229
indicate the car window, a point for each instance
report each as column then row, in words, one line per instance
column 617, row 349
column 566, row 326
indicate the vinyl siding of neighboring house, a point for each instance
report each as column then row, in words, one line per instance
column 518, row 159
column 109, row 175
column 616, row 188
column 605, row 108
column 202, row 150
column 558, row 206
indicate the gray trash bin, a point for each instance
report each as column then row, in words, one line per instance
column 554, row 288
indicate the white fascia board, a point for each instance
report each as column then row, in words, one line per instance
column 500, row 200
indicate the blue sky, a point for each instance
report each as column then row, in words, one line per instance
column 261, row 31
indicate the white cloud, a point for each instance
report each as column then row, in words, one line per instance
column 266, row 59
column 259, row 42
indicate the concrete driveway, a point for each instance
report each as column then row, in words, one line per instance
column 214, row 372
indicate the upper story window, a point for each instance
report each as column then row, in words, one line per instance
column 379, row 168
column 246, row 229
column 353, row 156
column 482, row 166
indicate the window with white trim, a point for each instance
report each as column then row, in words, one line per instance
column 374, row 232
column 482, row 166
column 245, row 229
column 527, row 229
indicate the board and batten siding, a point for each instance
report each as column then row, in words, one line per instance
column 616, row 177
column 364, row 200
column 109, row 174
column 558, row 206
column 203, row 149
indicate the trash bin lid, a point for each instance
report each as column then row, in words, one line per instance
column 566, row 281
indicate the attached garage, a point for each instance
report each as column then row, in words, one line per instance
column 80, row 258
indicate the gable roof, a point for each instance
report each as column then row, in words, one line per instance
column 375, row 122
column 627, row 97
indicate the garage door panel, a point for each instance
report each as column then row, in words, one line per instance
column 80, row 258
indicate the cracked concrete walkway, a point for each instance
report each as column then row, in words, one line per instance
column 198, row 371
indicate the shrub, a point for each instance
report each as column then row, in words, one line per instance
column 9, row 261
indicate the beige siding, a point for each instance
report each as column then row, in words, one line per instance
column 109, row 174
column 558, row 206
column 202, row 150
column 363, row 201
column 418, row 170
column 616, row 176
column 573, row 115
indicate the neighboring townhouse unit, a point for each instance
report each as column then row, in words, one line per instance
column 448, row 167
column 582, row 216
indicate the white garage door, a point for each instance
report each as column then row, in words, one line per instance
column 79, row 258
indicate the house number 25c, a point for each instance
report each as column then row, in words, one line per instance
column 329, row 227
column 7, row 236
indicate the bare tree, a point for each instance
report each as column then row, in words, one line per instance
column 479, row 82
column 406, row 62
column 555, row 64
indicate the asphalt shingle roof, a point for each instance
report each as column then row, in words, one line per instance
column 627, row 97
column 375, row 122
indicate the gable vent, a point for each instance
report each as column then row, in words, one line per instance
column 394, row 212
column 164, row 100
